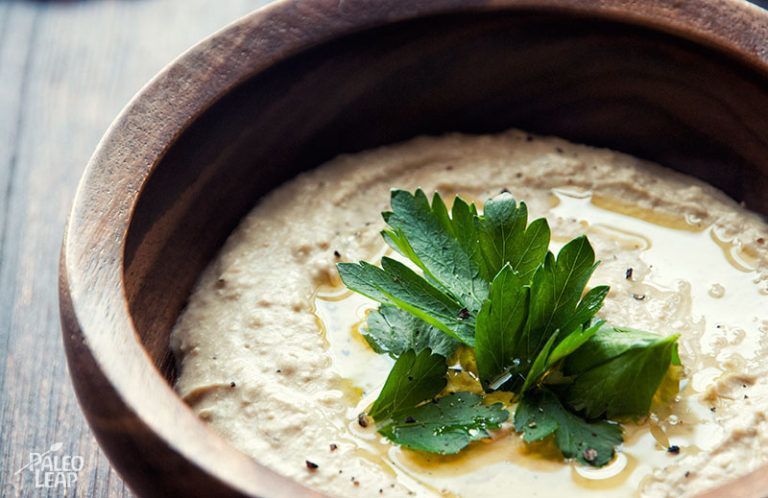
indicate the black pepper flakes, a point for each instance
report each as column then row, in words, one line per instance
column 362, row 419
column 590, row 454
column 220, row 283
column 334, row 447
column 336, row 254
column 232, row 384
column 628, row 275
column 639, row 297
column 687, row 473
column 674, row 449
column 311, row 465
column 505, row 190
column 713, row 409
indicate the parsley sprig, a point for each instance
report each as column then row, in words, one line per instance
column 488, row 281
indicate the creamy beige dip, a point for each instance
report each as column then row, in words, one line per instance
column 270, row 354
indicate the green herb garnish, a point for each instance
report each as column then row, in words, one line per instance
column 395, row 331
column 445, row 425
column 414, row 378
column 488, row 281
column 540, row 414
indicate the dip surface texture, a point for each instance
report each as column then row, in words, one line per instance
column 270, row 355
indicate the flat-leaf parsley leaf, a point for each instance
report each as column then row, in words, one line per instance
column 489, row 281
column 414, row 378
column 540, row 414
column 394, row 331
column 445, row 425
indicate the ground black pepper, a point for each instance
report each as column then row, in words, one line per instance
column 362, row 420
column 590, row 454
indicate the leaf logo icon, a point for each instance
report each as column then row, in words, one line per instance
column 56, row 447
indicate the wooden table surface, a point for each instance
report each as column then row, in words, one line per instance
column 66, row 70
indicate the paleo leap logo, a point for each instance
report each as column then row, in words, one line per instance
column 53, row 471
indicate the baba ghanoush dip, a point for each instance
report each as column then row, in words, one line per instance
column 271, row 354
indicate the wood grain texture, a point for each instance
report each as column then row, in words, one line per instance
column 66, row 70
column 283, row 90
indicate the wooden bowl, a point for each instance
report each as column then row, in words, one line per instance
column 683, row 83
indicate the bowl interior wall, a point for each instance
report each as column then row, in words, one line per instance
column 593, row 81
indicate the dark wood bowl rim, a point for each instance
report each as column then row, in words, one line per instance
column 93, row 294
